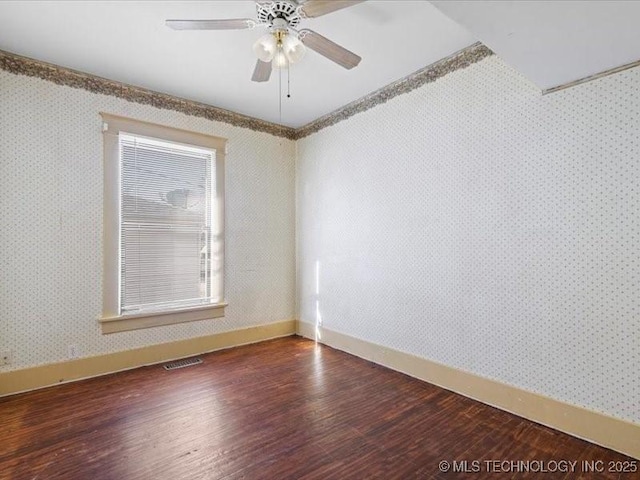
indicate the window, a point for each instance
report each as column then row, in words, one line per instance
column 164, row 239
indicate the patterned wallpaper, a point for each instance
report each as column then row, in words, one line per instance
column 479, row 224
column 472, row 221
column 51, row 213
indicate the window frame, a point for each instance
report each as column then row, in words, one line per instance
column 112, row 320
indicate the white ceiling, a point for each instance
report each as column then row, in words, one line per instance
column 554, row 42
column 127, row 41
column 550, row 42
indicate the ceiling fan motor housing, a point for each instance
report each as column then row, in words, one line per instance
column 270, row 11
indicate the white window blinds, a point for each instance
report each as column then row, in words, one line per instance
column 165, row 225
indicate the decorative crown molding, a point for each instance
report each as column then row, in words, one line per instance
column 20, row 65
column 591, row 78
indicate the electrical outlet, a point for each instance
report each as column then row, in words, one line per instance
column 72, row 351
column 5, row 357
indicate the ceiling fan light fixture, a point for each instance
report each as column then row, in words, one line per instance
column 265, row 47
column 283, row 45
column 280, row 48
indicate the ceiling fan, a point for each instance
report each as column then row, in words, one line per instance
column 283, row 45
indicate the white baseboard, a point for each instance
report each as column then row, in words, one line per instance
column 595, row 427
column 17, row 381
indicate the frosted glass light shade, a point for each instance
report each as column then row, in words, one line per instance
column 265, row 47
column 280, row 59
column 293, row 48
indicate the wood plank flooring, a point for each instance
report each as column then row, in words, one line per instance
column 282, row 409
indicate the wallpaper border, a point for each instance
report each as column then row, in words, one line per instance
column 19, row 65
column 581, row 422
column 457, row 61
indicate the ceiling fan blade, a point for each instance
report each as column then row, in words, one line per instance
column 329, row 49
column 262, row 72
column 317, row 8
column 224, row 24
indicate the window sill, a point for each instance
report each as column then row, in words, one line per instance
column 136, row 321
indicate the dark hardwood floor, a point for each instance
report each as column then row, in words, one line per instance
column 282, row 409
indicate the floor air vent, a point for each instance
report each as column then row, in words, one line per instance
column 187, row 362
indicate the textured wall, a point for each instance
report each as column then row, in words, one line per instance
column 478, row 224
column 51, row 215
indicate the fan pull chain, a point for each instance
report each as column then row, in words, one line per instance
column 288, row 80
column 280, row 93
